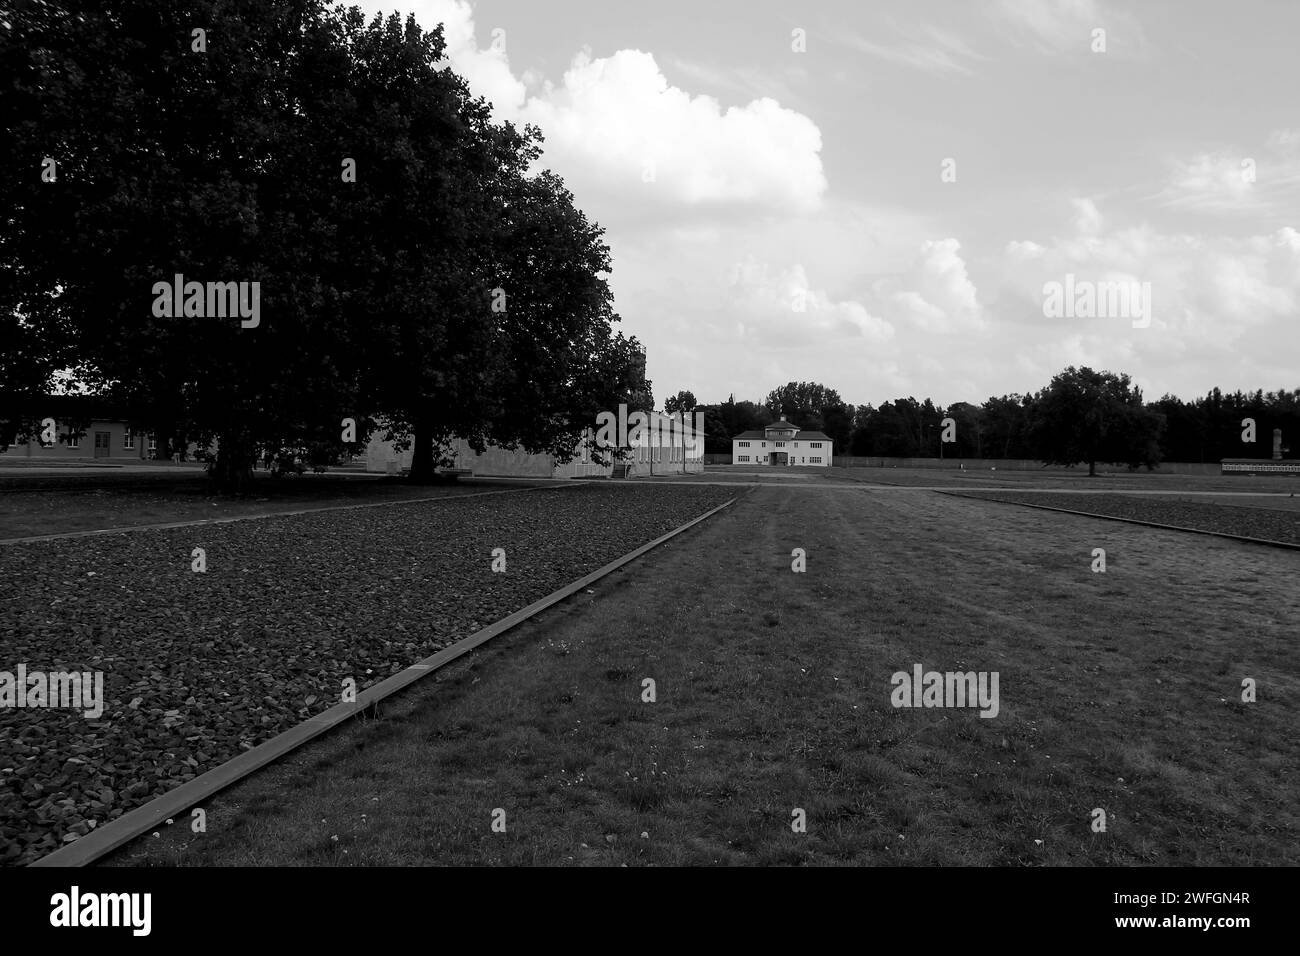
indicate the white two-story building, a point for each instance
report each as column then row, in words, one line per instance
column 781, row 443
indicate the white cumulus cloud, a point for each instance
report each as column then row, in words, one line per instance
column 615, row 126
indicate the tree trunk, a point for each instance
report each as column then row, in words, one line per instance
column 422, row 463
column 232, row 471
column 1092, row 469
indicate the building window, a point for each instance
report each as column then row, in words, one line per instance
column 74, row 441
column 815, row 444
column 128, row 439
column 744, row 444
column 743, row 458
column 780, row 444
column 153, row 443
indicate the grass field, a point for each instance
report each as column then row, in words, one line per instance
column 1118, row 691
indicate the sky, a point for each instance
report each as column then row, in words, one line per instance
column 877, row 196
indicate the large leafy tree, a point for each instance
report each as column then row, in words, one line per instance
column 968, row 420
column 178, row 153
column 905, row 428
column 725, row 420
column 1005, row 424
column 486, row 311
column 1089, row 416
column 814, row 407
column 229, row 163
column 683, row 402
column 803, row 403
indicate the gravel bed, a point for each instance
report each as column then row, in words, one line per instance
column 51, row 504
column 1076, row 480
column 1270, row 523
column 199, row 666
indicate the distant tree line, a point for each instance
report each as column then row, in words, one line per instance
column 414, row 267
column 1080, row 417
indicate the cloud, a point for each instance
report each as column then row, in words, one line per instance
column 1232, row 182
column 1065, row 26
column 778, row 308
column 614, row 125
column 1208, row 293
column 926, row 48
column 1087, row 220
column 750, row 81
column 935, row 294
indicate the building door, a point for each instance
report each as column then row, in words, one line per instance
column 101, row 444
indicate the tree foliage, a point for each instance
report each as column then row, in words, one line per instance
column 1087, row 416
column 379, row 294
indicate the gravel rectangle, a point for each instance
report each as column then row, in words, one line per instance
column 1268, row 521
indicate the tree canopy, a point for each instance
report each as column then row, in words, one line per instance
column 1087, row 416
column 413, row 266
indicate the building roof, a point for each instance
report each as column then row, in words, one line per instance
column 798, row 436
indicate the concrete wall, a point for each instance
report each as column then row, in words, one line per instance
column 1260, row 466
column 497, row 462
column 381, row 457
column 953, row 464
column 494, row 462
column 1004, row 464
